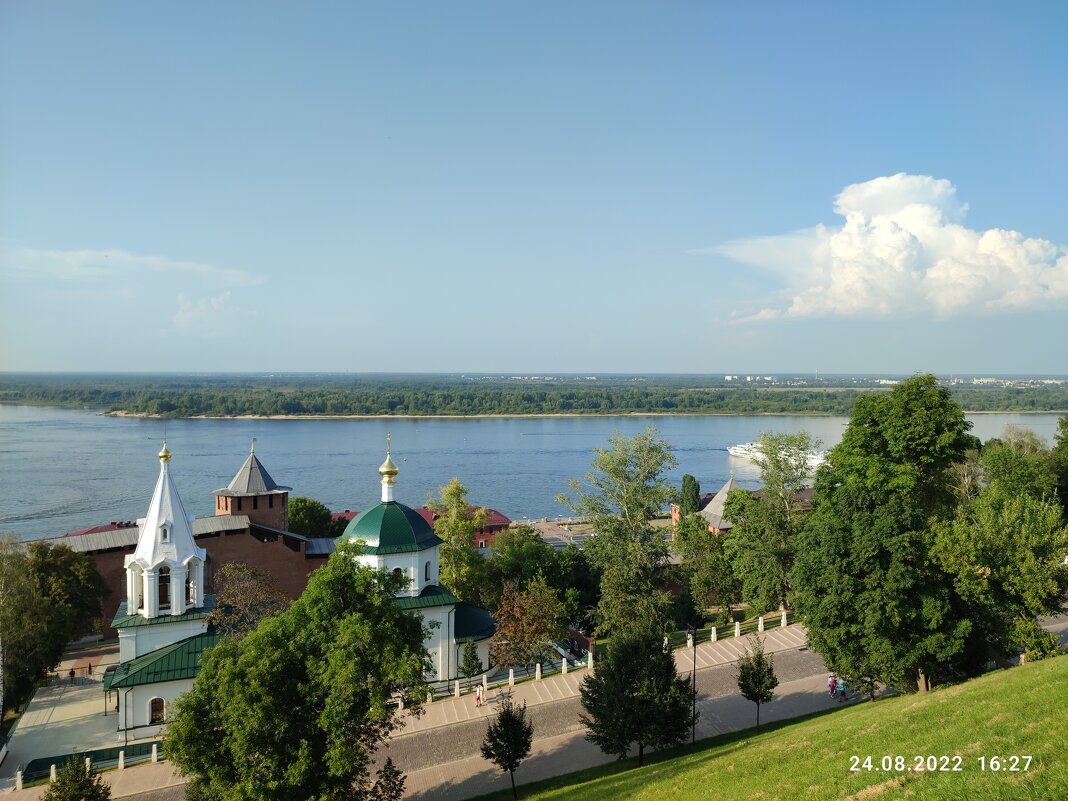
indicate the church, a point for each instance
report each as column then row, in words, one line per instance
column 397, row 538
column 163, row 625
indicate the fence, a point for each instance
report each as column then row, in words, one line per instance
column 41, row 767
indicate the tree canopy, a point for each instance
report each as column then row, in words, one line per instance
column 756, row 675
column 636, row 696
column 876, row 603
column 309, row 518
column 244, row 595
column 463, row 570
column 49, row 595
column 508, row 738
column 621, row 496
column 297, row 708
column 75, row 782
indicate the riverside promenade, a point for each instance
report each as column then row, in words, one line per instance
column 439, row 749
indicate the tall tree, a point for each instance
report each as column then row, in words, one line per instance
column 904, row 441
column 528, row 623
column 508, row 739
column 463, row 569
column 244, row 595
column 1059, row 457
column 49, row 595
column 690, row 499
column 1019, row 462
column 636, row 696
column 623, row 493
column 708, row 570
column 75, row 782
column 877, row 606
column 756, row 676
column 470, row 664
column 310, row 518
column 297, row 708
column 1005, row 554
column 762, row 542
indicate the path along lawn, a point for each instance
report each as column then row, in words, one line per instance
column 1020, row 711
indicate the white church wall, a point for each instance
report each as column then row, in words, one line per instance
column 149, row 638
column 135, row 705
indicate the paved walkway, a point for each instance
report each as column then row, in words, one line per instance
column 453, row 779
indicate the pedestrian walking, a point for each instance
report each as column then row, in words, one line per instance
column 841, row 689
column 832, row 685
column 478, row 696
column 72, row 675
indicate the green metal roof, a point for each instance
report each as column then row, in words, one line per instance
column 432, row 595
column 180, row 660
column 391, row 527
column 473, row 623
column 124, row 620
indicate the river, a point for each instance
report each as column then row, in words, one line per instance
column 63, row 469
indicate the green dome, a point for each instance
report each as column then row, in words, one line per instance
column 389, row 528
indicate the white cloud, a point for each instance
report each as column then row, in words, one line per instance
column 94, row 266
column 207, row 317
column 902, row 251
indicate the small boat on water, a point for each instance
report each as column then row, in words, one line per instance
column 751, row 451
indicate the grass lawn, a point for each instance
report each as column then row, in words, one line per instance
column 1021, row 711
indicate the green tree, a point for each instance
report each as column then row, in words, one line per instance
column 690, row 498
column 463, row 569
column 470, row 664
column 309, row 518
column 1059, row 458
column 508, row 739
column 75, row 782
column 623, row 493
column 244, row 595
column 297, row 708
column 762, row 543
column 528, row 623
column 636, row 696
column 1020, row 463
column 72, row 585
column 709, row 572
column 876, row 604
column 1005, row 554
column 904, row 441
column 49, row 595
column 756, row 676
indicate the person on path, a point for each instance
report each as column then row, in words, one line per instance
column 832, row 685
column 478, row 696
column 72, row 675
column 841, row 690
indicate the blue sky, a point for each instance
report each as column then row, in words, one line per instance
column 594, row 187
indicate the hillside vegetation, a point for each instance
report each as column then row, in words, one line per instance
column 453, row 395
column 1014, row 712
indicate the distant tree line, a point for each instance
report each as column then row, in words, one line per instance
column 453, row 396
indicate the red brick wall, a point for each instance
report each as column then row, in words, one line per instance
column 289, row 568
column 267, row 510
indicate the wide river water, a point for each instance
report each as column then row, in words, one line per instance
column 63, row 469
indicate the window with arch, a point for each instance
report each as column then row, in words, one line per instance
column 164, row 587
column 157, row 709
column 398, row 572
column 164, row 532
column 426, row 572
column 190, row 582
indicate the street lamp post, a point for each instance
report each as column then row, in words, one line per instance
column 693, row 684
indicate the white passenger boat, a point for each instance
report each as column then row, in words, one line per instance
column 751, row 451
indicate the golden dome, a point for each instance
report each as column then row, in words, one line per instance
column 164, row 455
column 388, row 470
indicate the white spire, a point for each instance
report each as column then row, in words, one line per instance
column 166, row 553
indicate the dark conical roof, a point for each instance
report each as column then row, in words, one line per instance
column 251, row 479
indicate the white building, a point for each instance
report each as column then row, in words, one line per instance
column 397, row 538
column 163, row 624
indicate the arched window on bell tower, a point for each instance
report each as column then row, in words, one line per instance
column 164, row 588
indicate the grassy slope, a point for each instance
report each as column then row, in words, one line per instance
column 1018, row 711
